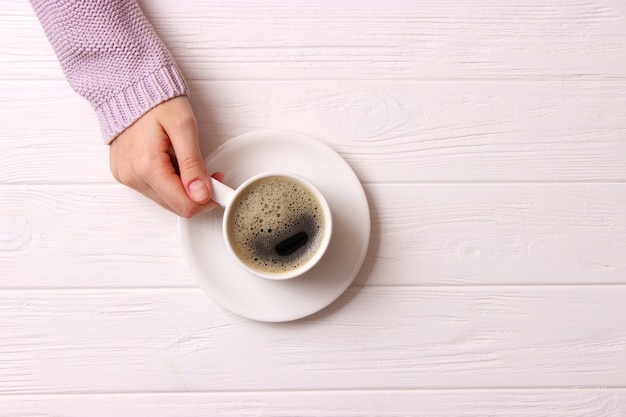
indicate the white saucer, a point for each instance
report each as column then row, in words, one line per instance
column 269, row 300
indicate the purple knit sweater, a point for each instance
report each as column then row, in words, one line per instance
column 111, row 55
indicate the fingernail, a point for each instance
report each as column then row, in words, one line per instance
column 198, row 191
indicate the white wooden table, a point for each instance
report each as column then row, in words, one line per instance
column 491, row 141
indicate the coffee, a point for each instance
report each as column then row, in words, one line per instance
column 276, row 225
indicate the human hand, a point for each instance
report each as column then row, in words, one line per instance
column 141, row 158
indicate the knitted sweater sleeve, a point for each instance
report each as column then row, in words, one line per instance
column 111, row 55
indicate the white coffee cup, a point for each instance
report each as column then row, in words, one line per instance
column 262, row 242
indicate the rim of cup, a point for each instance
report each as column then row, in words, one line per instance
column 324, row 243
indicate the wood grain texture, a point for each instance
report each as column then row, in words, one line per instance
column 425, row 235
column 400, row 39
column 491, row 140
column 173, row 340
column 425, row 403
column 367, row 40
column 387, row 131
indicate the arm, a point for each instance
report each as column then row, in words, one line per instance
column 111, row 55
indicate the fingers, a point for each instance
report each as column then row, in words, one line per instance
column 218, row 176
column 146, row 157
column 163, row 181
column 182, row 131
column 183, row 212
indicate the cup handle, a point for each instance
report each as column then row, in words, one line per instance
column 222, row 193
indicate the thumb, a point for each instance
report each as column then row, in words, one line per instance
column 194, row 175
column 193, row 172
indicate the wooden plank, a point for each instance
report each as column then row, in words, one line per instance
column 489, row 136
column 87, row 236
column 432, row 403
column 387, row 131
column 382, row 338
column 497, row 234
column 365, row 40
column 482, row 234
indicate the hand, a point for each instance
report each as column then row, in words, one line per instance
column 148, row 155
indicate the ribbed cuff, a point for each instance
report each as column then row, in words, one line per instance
column 125, row 108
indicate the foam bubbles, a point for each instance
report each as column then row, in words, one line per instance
column 272, row 211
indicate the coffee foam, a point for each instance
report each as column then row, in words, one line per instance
column 273, row 210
